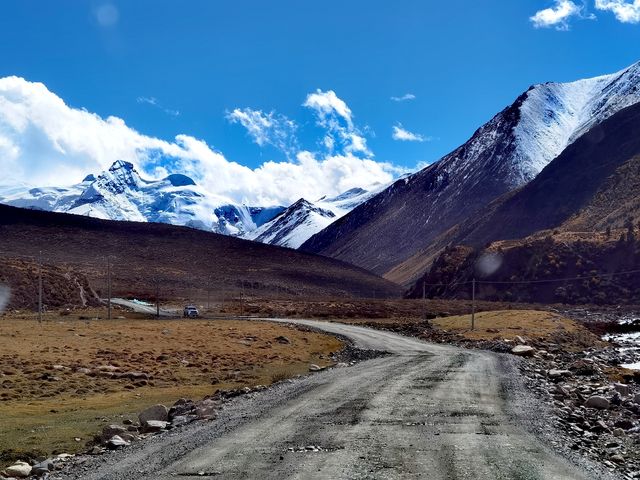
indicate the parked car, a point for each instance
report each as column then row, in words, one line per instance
column 190, row 311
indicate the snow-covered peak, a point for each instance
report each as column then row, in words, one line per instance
column 304, row 219
column 295, row 225
column 120, row 193
column 554, row 115
column 515, row 145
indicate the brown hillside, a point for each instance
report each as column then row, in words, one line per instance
column 529, row 269
column 182, row 260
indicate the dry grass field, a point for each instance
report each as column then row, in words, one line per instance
column 63, row 379
column 532, row 325
column 508, row 324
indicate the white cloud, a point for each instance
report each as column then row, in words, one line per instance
column 328, row 106
column 403, row 135
column 43, row 141
column 404, row 98
column 335, row 116
column 625, row 12
column 267, row 128
column 557, row 16
column 153, row 101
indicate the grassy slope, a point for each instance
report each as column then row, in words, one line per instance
column 183, row 358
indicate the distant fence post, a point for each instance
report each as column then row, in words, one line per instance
column 473, row 304
column 40, row 287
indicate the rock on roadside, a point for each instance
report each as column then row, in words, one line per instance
column 597, row 402
column 523, row 351
column 157, row 412
column 18, row 470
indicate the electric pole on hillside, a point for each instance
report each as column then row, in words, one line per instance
column 242, row 300
column 473, row 304
column 108, row 287
column 424, row 300
column 40, row 287
column 157, row 298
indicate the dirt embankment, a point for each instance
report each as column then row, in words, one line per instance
column 61, row 286
column 550, row 267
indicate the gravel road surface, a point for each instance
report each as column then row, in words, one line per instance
column 426, row 411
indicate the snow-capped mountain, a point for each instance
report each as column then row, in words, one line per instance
column 303, row 219
column 120, row 193
column 505, row 153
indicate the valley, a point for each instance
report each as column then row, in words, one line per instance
column 475, row 317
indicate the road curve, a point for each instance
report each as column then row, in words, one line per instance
column 426, row 411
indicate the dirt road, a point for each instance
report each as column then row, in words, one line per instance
column 426, row 411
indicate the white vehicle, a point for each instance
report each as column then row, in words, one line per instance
column 190, row 311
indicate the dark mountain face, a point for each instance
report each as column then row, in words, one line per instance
column 412, row 212
column 578, row 218
column 387, row 232
column 575, row 191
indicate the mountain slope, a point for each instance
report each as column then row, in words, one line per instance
column 578, row 218
column 592, row 185
column 182, row 261
column 120, row 193
column 502, row 155
column 303, row 219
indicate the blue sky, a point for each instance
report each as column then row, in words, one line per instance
column 173, row 67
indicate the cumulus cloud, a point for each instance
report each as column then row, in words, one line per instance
column 403, row 135
column 335, row 116
column 404, row 98
column 153, row 101
column 267, row 128
column 557, row 16
column 43, row 141
column 625, row 11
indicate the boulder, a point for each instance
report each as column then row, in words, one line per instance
column 116, row 442
column 18, row 470
column 153, row 426
column 598, row 402
column 523, row 351
column 282, row 339
column 555, row 373
column 42, row 468
column 110, row 431
column 157, row 412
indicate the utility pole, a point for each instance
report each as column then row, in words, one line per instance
column 208, row 294
column 40, row 287
column 473, row 304
column 424, row 300
column 108, row 287
column 157, row 298
column 242, row 300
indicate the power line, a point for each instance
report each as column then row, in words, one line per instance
column 547, row 280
